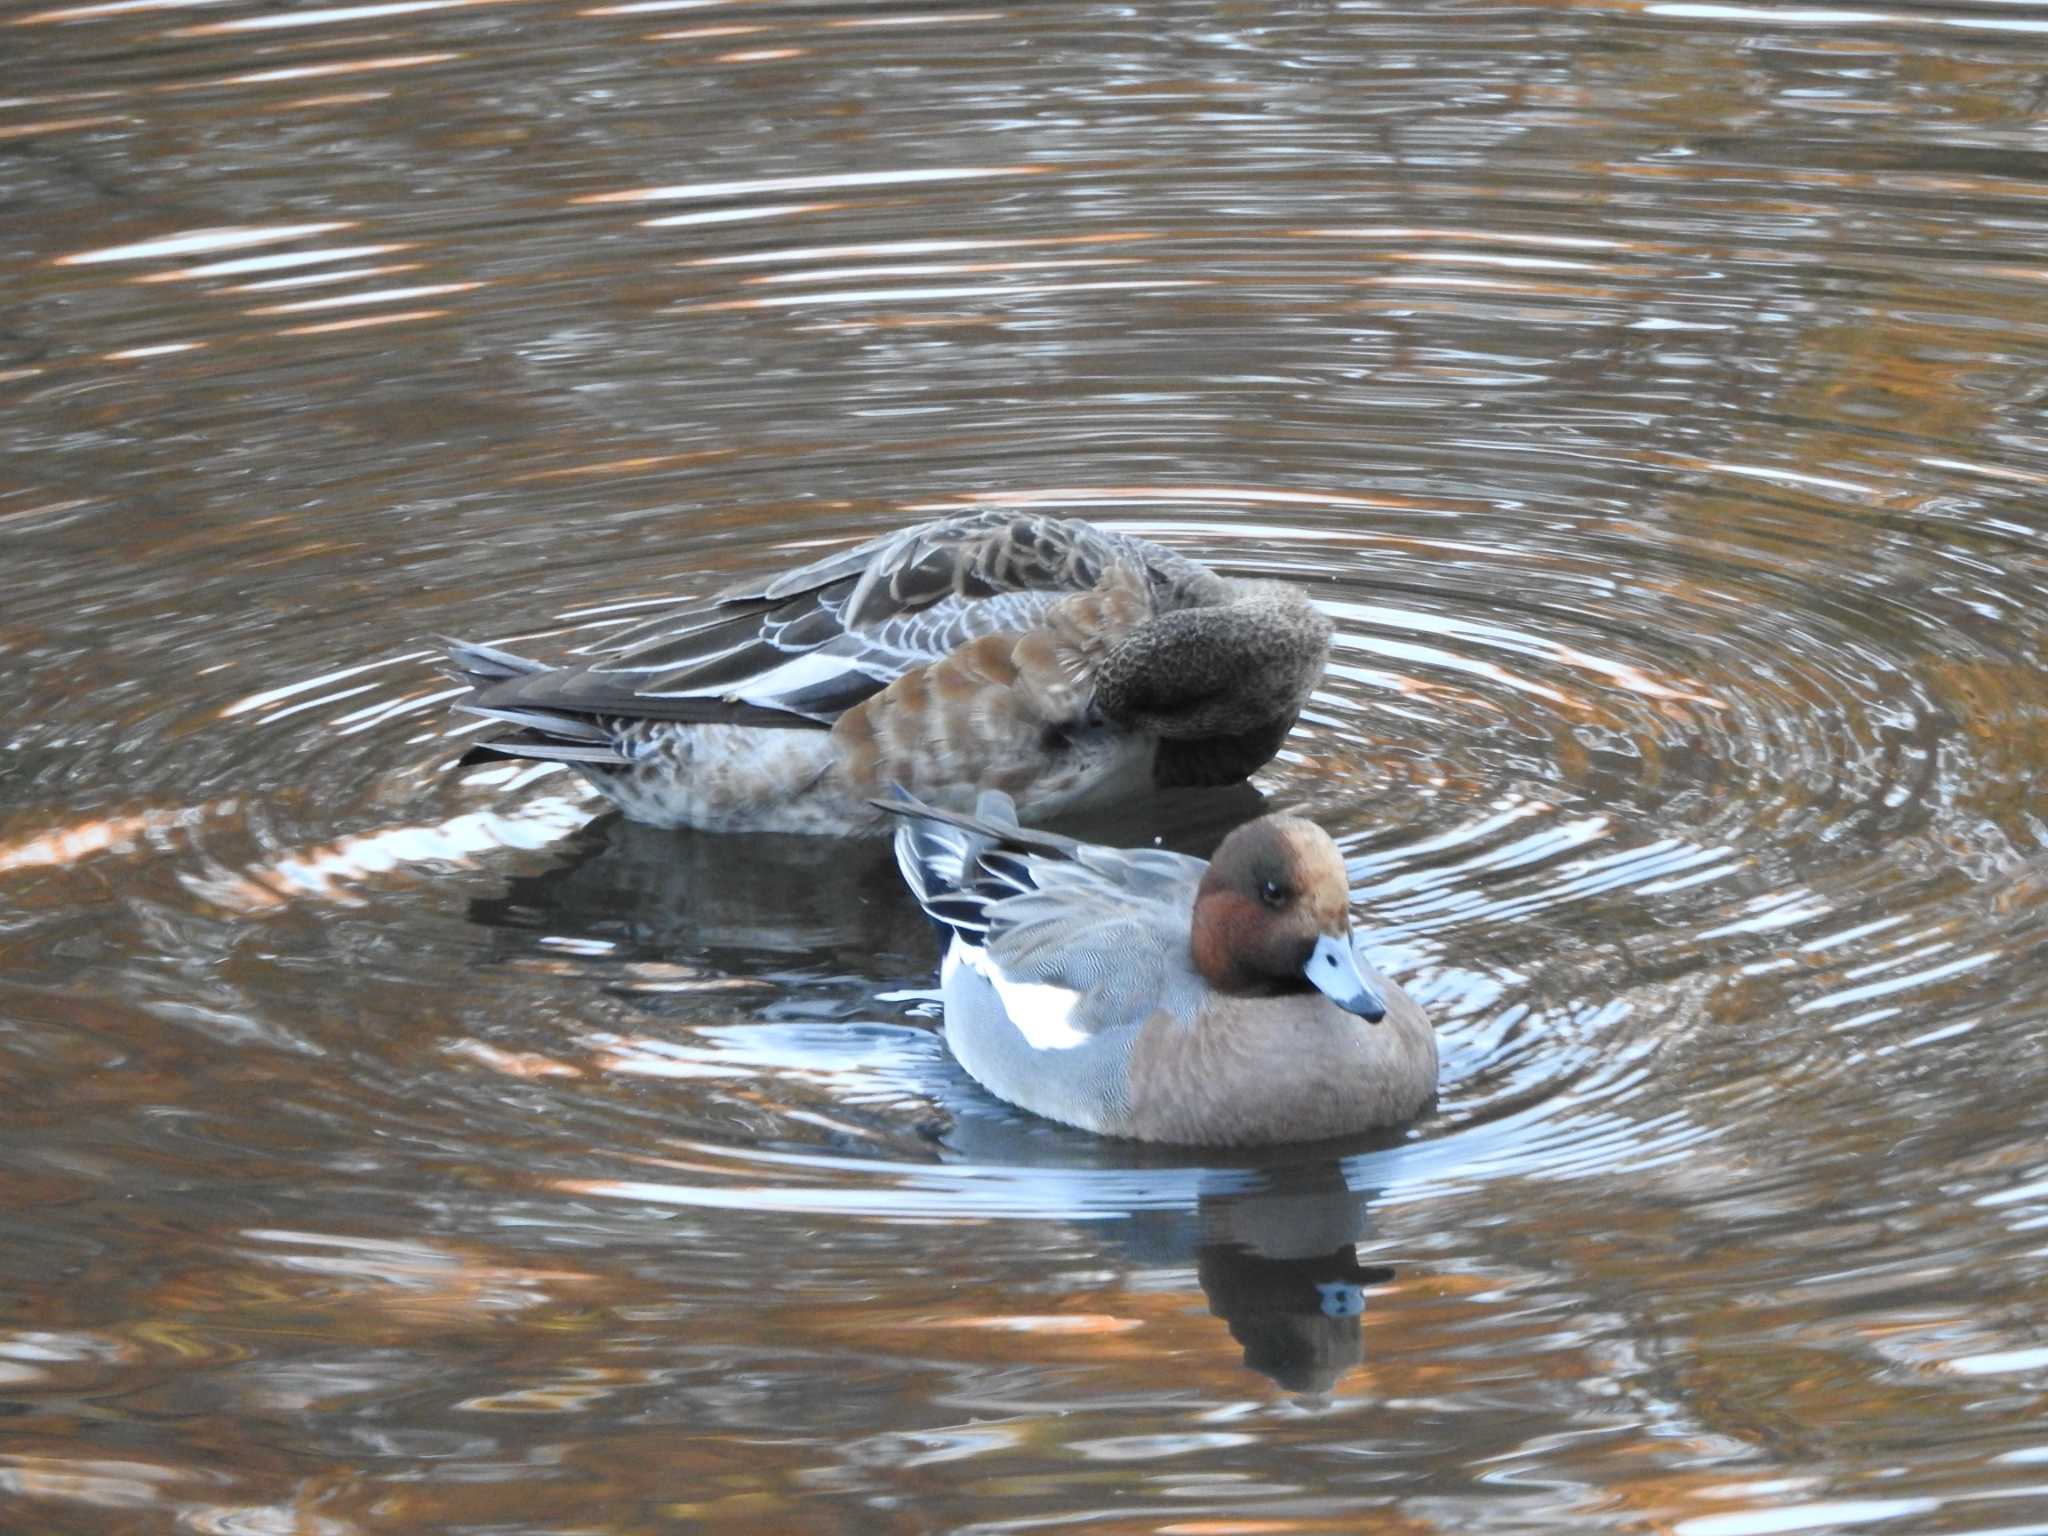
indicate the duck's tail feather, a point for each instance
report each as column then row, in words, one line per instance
column 937, row 859
column 957, row 864
column 481, row 665
column 541, row 735
column 994, row 819
column 537, row 747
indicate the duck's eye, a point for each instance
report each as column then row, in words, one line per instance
column 1273, row 894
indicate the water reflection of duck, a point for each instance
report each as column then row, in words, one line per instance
column 1279, row 1264
column 660, row 894
column 648, row 893
column 1273, row 1240
column 1275, row 1249
column 1067, row 665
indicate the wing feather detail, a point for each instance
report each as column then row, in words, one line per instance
column 817, row 642
column 1105, row 924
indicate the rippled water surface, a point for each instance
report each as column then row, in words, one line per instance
column 1655, row 394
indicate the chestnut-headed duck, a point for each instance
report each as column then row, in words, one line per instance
column 1064, row 664
column 1146, row 994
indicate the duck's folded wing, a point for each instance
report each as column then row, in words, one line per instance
column 814, row 642
column 1088, row 943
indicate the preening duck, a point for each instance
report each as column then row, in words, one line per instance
column 1063, row 664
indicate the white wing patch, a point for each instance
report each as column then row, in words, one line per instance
column 1042, row 1013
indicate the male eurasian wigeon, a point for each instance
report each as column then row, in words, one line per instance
column 1141, row 993
column 1068, row 666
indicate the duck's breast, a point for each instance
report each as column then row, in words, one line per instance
column 1260, row 1071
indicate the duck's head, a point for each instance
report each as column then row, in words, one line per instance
column 1273, row 915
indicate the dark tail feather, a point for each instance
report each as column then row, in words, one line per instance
column 538, row 734
column 938, row 859
column 994, row 819
column 480, row 665
column 527, row 746
column 545, row 722
column 948, row 859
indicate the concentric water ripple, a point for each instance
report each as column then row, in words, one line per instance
column 1650, row 807
column 1650, row 393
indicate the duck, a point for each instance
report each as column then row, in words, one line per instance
column 1149, row 995
column 1072, row 667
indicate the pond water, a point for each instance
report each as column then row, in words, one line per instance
column 1654, row 393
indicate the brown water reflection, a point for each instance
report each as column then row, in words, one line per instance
column 1652, row 394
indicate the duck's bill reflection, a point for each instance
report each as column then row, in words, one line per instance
column 1335, row 970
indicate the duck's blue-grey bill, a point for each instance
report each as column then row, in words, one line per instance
column 1336, row 971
